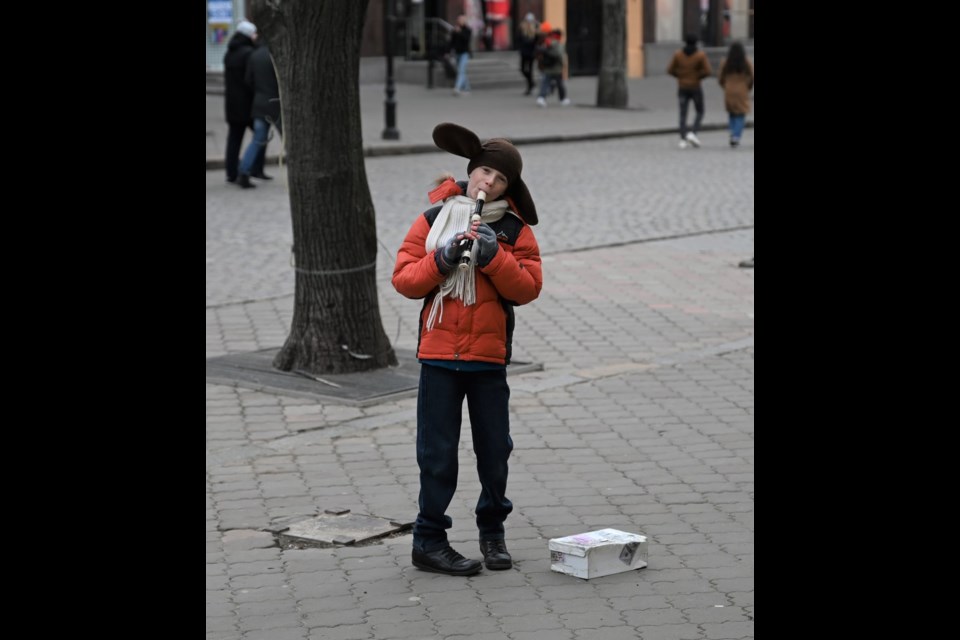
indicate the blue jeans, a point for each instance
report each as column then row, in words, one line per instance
column 256, row 149
column 546, row 89
column 737, row 122
column 462, row 83
column 234, row 144
column 439, row 408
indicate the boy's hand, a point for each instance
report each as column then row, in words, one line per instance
column 488, row 245
column 448, row 258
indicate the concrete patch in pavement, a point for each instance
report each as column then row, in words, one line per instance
column 339, row 527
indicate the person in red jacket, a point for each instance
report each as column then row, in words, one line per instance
column 466, row 332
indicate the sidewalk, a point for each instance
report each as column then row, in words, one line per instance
column 504, row 112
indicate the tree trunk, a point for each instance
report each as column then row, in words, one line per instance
column 315, row 46
column 612, row 81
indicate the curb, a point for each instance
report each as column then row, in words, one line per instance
column 400, row 150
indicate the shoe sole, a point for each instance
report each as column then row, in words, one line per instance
column 498, row 567
column 465, row 572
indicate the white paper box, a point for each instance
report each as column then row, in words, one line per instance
column 598, row 553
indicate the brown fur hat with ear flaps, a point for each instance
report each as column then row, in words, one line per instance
column 496, row 153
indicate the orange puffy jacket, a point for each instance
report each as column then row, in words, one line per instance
column 481, row 332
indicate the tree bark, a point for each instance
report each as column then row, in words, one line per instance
column 612, row 80
column 336, row 325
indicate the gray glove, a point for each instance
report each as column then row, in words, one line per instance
column 488, row 245
column 450, row 256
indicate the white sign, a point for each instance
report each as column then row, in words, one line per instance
column 219, row 12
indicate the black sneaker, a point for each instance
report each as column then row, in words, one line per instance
column 244, row 182
column 261, row 176
column 446, row 561
column 495, row 555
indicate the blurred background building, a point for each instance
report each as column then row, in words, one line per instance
column 655, row 29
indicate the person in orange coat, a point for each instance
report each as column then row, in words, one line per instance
column 465, row 342
column 689, row 66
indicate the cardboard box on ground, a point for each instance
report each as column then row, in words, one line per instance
column 598, row 553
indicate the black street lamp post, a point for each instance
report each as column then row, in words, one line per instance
column 390, row 132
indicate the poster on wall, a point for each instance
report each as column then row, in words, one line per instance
column 219, row 19
column 498, row 21
column 493, row 30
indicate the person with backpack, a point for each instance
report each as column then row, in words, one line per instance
column 551, row 56
column 466, row 335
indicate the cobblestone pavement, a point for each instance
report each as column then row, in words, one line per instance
column 592, row 194
column 642, row 419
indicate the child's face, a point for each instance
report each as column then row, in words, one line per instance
column 490, row 180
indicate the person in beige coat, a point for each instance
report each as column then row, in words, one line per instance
column 736, row 78
column 689, row 66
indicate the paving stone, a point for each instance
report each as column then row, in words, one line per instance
column 476, row 625
column 606, row 633
column 222, row 623
column 734, row 584
column 343, row 632
column 546, row 634
column 285, row 633
column 421, row 629
column 683, row 587
column 600, row 617
column 654, row 617
column 470, row 609
column 715, row 614
column 272, row 621
column 670, row 632
column 728, row 630
column 333, row 618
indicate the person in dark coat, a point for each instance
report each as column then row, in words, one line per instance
column 238, row 98
column 527, row 45
column 262, row 80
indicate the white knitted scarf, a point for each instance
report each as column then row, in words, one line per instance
column 454, row 218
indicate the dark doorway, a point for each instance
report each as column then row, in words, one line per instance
column 649, row 21
column 583, row 37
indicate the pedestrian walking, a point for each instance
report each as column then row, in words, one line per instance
column 552, row 56
column 527, row 45
column 466, row 334
column 261, row 79
column 736, row 78
column 689, row 66
column 460, row 44
column 237, row 97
